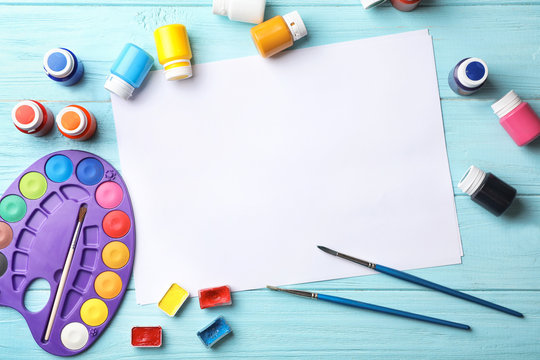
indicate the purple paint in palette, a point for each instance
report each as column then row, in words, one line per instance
column 38, row 213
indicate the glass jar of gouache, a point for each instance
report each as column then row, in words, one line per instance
column 517, row 118
column 174, row 52
column 487, row 190
column 278, row 33
column 250, row 11
column 468, row 76
column 129, row 71
column 32, row 117
column 62, row 66
column 405, row 5
column 75, row 122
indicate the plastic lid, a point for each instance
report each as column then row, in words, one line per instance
column 27, row 115
column 178, row 72
column 367, row 4
column 506, row 104
column 471, row 181
column 119, row 87
column 472, row 72
column 58, row 63
column 295, row 24
column 71, row 121
column 219, row 7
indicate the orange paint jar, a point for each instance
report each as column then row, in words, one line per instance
column 278, row 33
column 75, row 122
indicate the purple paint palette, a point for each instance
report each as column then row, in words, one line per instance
column 38, row 215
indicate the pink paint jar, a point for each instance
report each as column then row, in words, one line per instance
column 517, row 118
column 31, row 117
column 405, row 5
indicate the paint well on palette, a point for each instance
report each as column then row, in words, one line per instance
column 94, row 312
column 3, row 264
column 146, row 336
column 90, row 171
column 109, row 195
column 218, row 296
column 74, row 336
column 59, row 168
column 116, row 224
column 173, row 299
column 33, row 185
column 108, row 285
column 115, row 255
column 12, row 208
column 6, row 235
column 214, row 332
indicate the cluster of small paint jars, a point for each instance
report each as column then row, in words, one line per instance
column 74, row 121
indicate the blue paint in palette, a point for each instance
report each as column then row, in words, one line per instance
column 214, row 332
column 59, row 168
column 90, row 171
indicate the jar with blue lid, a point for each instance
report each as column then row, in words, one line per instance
column 62, row 66
column 129, row 71
column 468, row 76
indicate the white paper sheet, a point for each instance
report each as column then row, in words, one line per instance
column 239, row 172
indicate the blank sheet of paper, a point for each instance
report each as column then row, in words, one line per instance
column 239, row 172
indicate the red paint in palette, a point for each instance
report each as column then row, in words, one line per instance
column 218, row 296
column 146, row 336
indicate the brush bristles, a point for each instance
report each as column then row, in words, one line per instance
column 82, row 212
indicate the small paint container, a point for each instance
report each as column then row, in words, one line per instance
column 129, row 71
column 468, row 76
column 174, row 52
column 368, row 4
column 212, row 297
column 62, row 66
column 517, row 118
column 211, row 334
column 278, row 33
column 31, row 117
column 173, row 299
column 75, row 122
column 487, row 190
column 250, row 11
column 405, row 5
column 146, row 336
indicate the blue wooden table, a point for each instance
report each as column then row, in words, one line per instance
column 502, row 255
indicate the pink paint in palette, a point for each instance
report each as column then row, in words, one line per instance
column 38, row 214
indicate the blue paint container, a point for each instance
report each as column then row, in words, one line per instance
column 214, row 332
column 468, row 76
column 62, row 66
column 128, row 71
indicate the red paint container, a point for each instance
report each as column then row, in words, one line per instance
column 146, row 336
column 31, row 117
column 405, row 5
column 218, row 296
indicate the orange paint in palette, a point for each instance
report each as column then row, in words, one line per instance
column 86, row 259
column 75, row 122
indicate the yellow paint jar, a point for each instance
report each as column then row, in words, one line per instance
column 174, row 52
column 278, row 33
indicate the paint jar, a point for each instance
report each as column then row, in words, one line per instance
column 174, row 52
column 368, row 4
column 75, row 122
column 128, row 71
column 468, row 76
column 250, row 11
column 405, row 5
column 517, row 118
column 62, row 66
column 278, row 33
column 31, row 117
column 487, row 190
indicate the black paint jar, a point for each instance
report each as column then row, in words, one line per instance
column 487, row 190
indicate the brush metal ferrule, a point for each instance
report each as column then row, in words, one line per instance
column 356, row 260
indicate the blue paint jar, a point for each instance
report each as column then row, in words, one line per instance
column 468, row 76
column 129, row 71
column 62, row 66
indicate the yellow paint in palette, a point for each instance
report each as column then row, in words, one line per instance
column 173, row 299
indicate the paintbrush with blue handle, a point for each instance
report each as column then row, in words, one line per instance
column 372, row 307
column 416, row 280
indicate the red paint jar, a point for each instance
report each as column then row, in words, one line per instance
column 31, row 117
column 405, row 5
